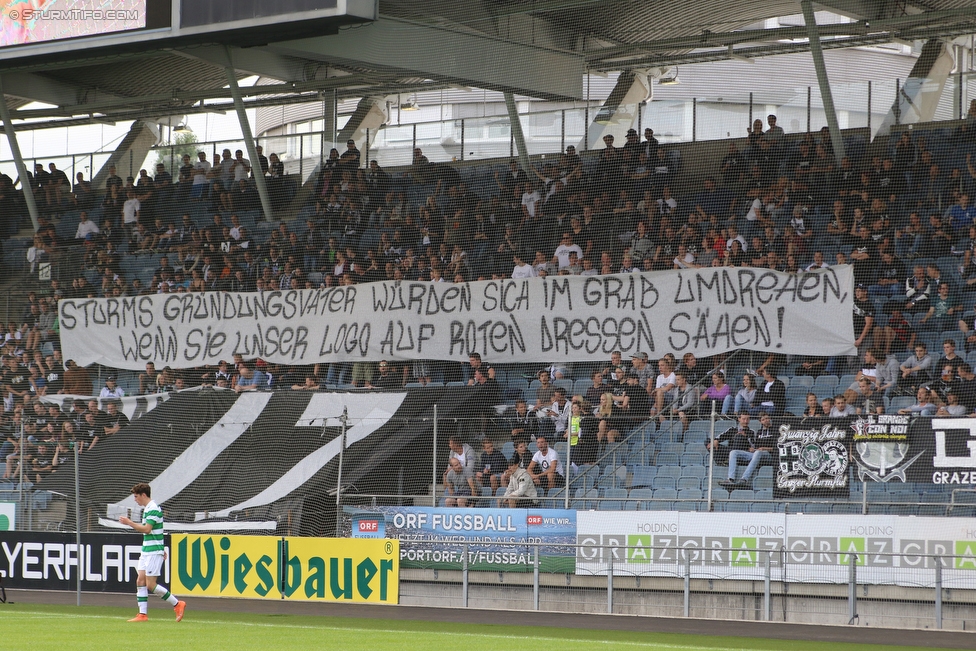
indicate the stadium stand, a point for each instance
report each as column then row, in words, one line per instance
column 791, row 208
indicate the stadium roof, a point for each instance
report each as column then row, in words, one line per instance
column 537, row 48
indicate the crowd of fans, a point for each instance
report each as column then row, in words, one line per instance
column 904, row 221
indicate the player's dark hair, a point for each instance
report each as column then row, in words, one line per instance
column 142, row 489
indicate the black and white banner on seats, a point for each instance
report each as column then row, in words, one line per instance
column 223, row 461
column 50, row 561
column 940, row 451
column 899, row 449
column 702, row 311
column 814, row 458
column 883, row 449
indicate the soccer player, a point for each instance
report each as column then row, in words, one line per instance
column 153, row 554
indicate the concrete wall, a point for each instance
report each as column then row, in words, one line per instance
column 878, row 606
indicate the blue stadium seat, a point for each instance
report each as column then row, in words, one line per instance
column 699, row 472
column 659, row 495
column 669, row 471
column 637, row 496
column 612, row 499
column 690, row 494
column 689, row 482
column 613, row 477
column 826, row 381
column 556, row 498
column 817, row 507
column 665, row 482
column 692, row 459
column 673, row 448
column 694, row 441
column 586, row 499
column 667, row 459
column 643, row 476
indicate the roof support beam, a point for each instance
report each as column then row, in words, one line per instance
column 919, row 95
column 670, row 58
column 516, row 126
column 836, row 140
column 254, row 61
column 619, row 112
column 39, row 88
column 8, row 126
column 476, row 60
column 245, row 123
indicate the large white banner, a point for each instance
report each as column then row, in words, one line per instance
column 888, row 549
column 573, row 318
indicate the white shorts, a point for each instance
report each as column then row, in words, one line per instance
column 152, row 564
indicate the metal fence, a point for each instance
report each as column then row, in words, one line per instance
column 775, row 586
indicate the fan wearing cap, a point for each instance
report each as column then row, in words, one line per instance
column 111, row 389
column 643, row 371
column 632, row 148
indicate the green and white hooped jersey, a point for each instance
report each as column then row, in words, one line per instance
column 152, row 542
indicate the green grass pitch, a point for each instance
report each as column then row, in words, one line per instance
column 31, row 627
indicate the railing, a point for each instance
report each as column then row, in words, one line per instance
column 685, row 119
column 883, row 589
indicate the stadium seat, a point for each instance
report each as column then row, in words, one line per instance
column 699, row 472
column 660, row 495
column 690, row 494
column 556, row 498
column 673, row 448
column 817, row 507
column 694, row 440
column 665, row 482
column 638, row 495
column 669, row 471
column 689, row 482
column 612, row 499
column 830, row 381
column 643, row 477
column 586, row 499
column 613, row 477
column 692, row 459
column 667, row 459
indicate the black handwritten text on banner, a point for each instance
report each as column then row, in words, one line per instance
column 704, row 311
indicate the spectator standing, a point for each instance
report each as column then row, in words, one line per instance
column 77, row 381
